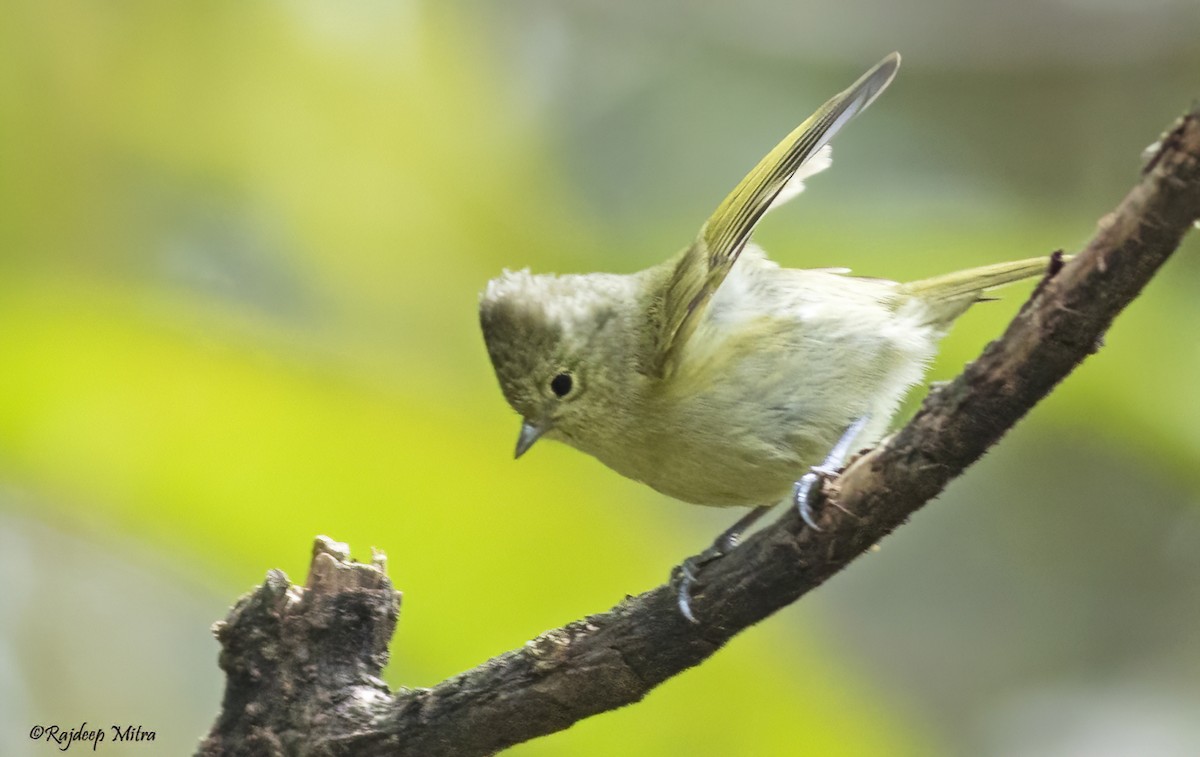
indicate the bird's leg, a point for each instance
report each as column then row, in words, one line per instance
column 803, row 489
column 689, row 569
column 802, row 492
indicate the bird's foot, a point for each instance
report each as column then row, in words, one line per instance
column 687, row 573
column 804, row 490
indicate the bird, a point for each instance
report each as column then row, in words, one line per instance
column 718, row 377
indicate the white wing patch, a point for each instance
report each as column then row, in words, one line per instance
column 820, row 160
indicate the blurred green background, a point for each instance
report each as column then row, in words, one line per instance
column 240, row 250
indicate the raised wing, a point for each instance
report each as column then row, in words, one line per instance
column 703, row 266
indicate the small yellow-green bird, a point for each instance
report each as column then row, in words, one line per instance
column 718, row 377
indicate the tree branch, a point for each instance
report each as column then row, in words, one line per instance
column 302, row 664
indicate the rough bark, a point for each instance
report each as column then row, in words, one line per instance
column 302, row 663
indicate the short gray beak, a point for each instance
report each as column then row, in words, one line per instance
column 529, row 434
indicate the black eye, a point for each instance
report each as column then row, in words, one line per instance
column 561, row 385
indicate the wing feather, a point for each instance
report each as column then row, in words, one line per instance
column 702, row 267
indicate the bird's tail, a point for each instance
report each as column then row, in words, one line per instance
column 948, row 296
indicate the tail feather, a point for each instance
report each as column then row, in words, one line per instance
column 948, row 296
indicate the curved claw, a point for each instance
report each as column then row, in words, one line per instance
column 802, row 496
column 684, row 599
column 689, row 569
column 803, row 489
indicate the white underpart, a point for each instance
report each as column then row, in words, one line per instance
column 823, row 303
